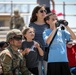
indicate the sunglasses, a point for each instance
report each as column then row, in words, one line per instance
column 19, row 37
column 43, row 11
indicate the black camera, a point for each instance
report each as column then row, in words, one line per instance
column 57, row 24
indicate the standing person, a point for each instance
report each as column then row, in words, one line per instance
column 57, row 57
column 32, row 49
column 17, row 21
column 47, row 4
column 71, row 53
column 12, row 61
column 37, row 21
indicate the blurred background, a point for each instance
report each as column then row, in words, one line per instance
column 65, row 7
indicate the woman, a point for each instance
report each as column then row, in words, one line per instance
column 57, row 57
column 37, row 21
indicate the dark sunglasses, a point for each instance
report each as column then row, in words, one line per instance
column 43, row 11
column 19, row 37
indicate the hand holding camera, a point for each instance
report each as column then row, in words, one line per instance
column 59, row 22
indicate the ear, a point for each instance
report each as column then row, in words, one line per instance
column 10, row 41
column 36, row 14
column 24, row 35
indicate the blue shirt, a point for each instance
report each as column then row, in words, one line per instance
column 57, row 52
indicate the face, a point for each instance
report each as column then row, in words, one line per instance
column 16, row 14
column 52, row 20
column 17, row 41
column 41, row 13
column 30, row 34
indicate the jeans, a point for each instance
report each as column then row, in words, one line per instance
column 73, row 70
column 42, row 67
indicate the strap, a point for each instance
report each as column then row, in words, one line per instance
column 53, row 38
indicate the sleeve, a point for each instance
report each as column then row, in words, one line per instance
column 24, row 69
column 66, row 35
column 11, row 23
column 45, row 35
column 6, row 65
column 22, row 23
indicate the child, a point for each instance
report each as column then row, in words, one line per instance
column 31, row 50
column 57, row 57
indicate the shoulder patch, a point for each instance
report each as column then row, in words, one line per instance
column 6, row 52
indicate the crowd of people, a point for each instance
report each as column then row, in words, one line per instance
column 23, row 51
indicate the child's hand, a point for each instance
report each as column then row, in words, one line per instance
column 37, row 45
column 26, row 51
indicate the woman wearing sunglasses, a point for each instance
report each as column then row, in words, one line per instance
column 37, row 21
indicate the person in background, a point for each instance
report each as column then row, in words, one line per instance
column 32, row 49
column 37, row 22
column 12, row 61
column 71, row 53
column 17, row 21
column 46, row 3
column 57, row 56
column 3, row 45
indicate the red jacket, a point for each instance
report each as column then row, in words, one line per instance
column 71, row 53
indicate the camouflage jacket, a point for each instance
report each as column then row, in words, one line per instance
column 13, row 63
column 17, row 22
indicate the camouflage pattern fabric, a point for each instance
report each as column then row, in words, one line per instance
column 13, row 63
column 17, row 23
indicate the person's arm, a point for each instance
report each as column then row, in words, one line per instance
column 37, row 2
column 73, row 36
column 39, row 49
column 6, row 64
column 53, row 4
column 22, row 23
column 49, row 38
column 11, row 23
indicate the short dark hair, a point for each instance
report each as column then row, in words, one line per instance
column 47, row 17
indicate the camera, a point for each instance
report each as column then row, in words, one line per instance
column 57, row 24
